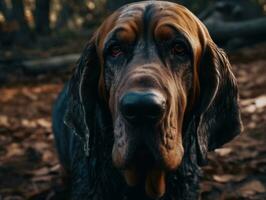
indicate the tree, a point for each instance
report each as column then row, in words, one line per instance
column 42, row 22
column 18, row 13
column 64, row 14
column 23, row 31
column 4, row 9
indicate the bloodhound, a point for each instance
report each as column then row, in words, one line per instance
column 150, row 96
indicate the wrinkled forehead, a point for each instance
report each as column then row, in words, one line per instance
column 149, row 19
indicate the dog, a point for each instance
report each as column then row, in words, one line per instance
column 150, row 96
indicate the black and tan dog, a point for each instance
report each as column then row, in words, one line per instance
column 151, row 95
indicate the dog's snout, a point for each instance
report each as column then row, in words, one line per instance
column 142, row 107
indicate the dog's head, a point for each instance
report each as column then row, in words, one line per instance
column 157, row 70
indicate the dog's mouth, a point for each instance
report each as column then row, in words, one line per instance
column 145, row 155
column 145, row 171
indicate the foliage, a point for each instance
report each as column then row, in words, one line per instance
column 22, row 20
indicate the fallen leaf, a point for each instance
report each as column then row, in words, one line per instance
column 250, row 109
column 27, row 92
column 252, row 187
column 44, row 123
column 28, row 123
column 8, row 94
column 42, row 178
column 48, row 156
column 14, row 149
column 260, row 101
column 4, row 121
column 228, row 178
column 40, row 172
column 223, row 151
column 55, row 168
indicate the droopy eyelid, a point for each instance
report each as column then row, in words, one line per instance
column 126, row 47
column 110, row 44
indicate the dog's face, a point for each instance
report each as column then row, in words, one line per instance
column 158, row 71
column 148, row 75
column 148, row 83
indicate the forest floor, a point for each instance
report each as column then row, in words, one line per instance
column 29, row 168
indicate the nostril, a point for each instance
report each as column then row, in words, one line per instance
column 129, row 111
column 154, row 110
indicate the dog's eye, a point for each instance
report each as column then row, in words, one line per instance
column 116, row 50
column 178, row 48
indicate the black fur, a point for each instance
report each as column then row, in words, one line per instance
column 94, row 177
column 84, row 134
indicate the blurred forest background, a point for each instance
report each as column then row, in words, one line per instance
column 40, row 41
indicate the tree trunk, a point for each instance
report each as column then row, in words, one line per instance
column 23, row 32
column 63, row 16
column 221, row 31
column 18, row 12
column 57, row 63
column 4, row 10
column 42, row 22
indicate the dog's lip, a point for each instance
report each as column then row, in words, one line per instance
column 153, row 180
column 141, row 162
column 145, row 171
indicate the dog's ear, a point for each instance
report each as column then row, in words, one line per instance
column 83, row 94
column 218, row 117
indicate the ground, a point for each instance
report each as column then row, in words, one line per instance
column 29, row 168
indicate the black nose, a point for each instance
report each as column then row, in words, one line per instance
column 142, row 106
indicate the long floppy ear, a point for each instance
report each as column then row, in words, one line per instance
column 218, row 117
column 82, row 92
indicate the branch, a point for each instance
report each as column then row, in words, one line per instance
column 223, row 31
column 50, row 64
